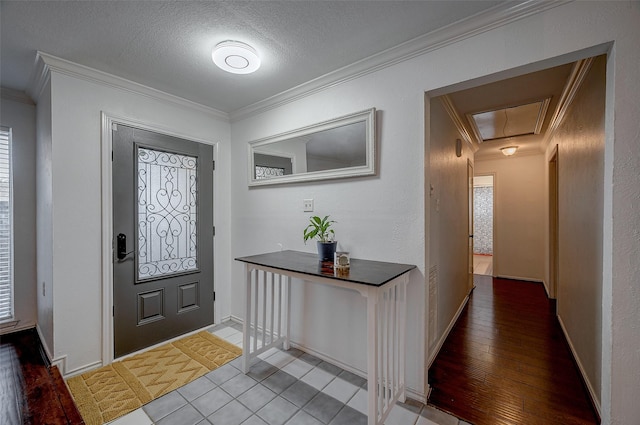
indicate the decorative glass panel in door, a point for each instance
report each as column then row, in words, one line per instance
column 167, row 213
column 268, row 172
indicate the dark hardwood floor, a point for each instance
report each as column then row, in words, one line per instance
column 31, row 391
column 506, row 361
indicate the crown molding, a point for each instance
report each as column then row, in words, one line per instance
column 573, row 84
column 45, row 64
column 459, row 123
column 500, row 15
column 15, row 95
column 40, row 77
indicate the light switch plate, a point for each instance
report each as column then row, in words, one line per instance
column 307, row 205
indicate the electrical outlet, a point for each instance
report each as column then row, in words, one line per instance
column 307, row 205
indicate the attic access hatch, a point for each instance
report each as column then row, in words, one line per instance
column 512, row 121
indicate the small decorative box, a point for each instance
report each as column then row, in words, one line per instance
column 341, row 260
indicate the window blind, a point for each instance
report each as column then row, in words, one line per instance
column 6, row 227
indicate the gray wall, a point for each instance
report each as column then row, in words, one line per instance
column 20, row 114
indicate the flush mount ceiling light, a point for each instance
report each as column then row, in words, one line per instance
column 509, row 150
column 236, row 57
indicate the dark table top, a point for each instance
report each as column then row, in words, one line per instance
column 365, row 272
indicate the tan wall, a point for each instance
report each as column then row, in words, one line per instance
column 448, row 229
column 519, row 215
column 580, row 141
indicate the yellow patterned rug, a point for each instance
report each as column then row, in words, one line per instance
column 121, row 387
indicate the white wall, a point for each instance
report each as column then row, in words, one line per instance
column 621, row 247
column 378, row 218
column 375, row 221
column 44, row 219
column 448, row 229
column 21, row 117
column 76, row 105
column 519, row 249
column 383, row 217
column 580, row 140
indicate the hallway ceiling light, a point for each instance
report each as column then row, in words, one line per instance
column 236, row 57
column 509, row 150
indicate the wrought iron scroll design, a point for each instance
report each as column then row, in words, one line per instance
column 263, row 172
column 167, row 213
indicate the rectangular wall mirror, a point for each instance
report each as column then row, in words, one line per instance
column 338, row 148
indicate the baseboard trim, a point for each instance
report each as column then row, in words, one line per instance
column 236, row 319
column 318, row 354
column 43, row 344
column 444, row 336
column 524, row 279
column 576, row 358
column 61, row 361
column 329, row 359
column 546, row 289
column 82, row 369
column 414, row 394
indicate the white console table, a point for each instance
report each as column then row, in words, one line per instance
column 267, row 314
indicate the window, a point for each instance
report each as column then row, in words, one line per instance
column 6, row 227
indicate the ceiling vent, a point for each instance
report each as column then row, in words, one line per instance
column 512, row 121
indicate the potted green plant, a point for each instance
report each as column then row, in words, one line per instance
column 320, row 228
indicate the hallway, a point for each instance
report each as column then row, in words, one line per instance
column 506, row 361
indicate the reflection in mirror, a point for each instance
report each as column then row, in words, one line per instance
column 268, row 166
column 343, row 147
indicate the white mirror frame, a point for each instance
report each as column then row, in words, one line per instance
column 369, row 169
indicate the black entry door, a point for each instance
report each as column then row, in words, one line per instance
column 162, row 237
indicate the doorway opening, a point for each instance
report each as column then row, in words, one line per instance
column 532, row 221
column 483, row 224
column 155, row 306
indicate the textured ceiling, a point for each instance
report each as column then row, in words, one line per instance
column 167, row 44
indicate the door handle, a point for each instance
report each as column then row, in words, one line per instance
column 121, row 246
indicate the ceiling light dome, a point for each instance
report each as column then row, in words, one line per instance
column 509, row 150
column 236, row 57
